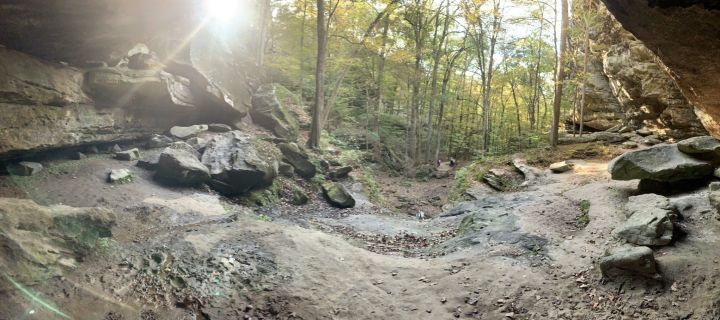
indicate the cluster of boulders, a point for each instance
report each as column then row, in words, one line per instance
column 651, row 222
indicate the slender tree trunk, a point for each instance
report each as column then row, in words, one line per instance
column 315, row 127
column 301, row 81
column 560, row 74
column 586, row 52
column 380, row 83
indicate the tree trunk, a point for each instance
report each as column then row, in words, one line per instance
column 560, row 74
column 301, row 81
column 315, row 127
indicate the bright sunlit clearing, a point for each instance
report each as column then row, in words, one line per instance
column 222, row 10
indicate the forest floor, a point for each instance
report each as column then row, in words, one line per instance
column 529, row 254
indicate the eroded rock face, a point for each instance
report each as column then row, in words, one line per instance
column 683, row 34
column 628, row 84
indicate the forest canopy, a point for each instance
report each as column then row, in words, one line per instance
column 431, row 78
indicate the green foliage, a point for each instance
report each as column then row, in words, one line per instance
column 371, row 186
column 461, row 183
column 583, row 218
column 264, row 217
column 466, row 224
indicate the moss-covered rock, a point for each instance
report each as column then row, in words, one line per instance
column 337, row 195
column 299, row 197
column 268, row 112
column 299, row 159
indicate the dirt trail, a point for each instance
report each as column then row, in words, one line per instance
column 189, row 254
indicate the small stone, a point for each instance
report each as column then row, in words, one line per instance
column 643, row 132
column 128, row 155
column 629, row 145
column 562, row 166
column 120, row 176
column 115, row 148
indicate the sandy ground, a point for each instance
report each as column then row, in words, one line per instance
column 190, row 254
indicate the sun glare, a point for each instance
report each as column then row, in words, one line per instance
column 223, row 10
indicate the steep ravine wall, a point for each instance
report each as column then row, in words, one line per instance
column 629, row 85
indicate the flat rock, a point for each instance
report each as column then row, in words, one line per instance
column 24, row 168
column 703, row 145
column 128, row 155
column 562, row 166
column 659, row 163
column 629, row 259
column 187, row 132
column 650, row 221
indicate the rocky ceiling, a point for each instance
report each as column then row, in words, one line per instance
column 685, row 34
column 80, row 31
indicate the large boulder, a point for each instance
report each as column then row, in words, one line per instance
column 235, row 164
column 299, row 159
column 39, row 242
column 659, row 163
column 268, row 112
column 650, row 221
column 180, row 167
column 629, row 259
column 337, row 195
